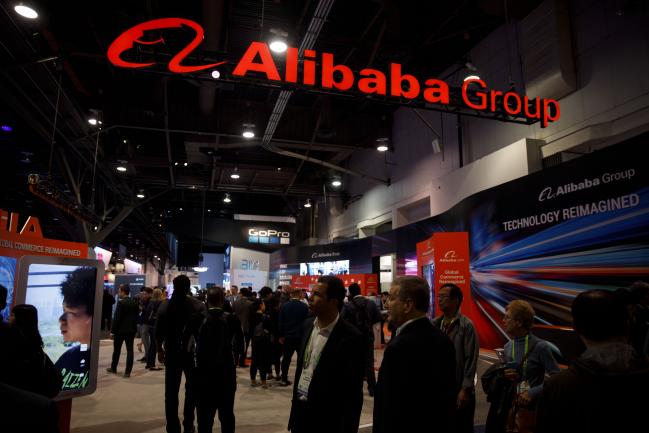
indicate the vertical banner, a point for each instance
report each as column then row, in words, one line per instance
column 452, row 266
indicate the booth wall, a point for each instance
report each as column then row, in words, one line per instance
column 214, row 273
column 239, row 256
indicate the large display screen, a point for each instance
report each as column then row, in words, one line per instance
column 339, row 267
column 7, row 272
column 65, row 295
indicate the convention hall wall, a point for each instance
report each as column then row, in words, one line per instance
column 609, row 103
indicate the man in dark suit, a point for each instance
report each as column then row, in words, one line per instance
column 416, row 389
column 328, row 387
column 124, row 329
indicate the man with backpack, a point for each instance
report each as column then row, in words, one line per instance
column 176, row 332
column 363, row 314
column 215, row 369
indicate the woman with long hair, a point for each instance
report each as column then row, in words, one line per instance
column 42, row 378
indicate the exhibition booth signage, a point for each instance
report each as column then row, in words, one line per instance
column 331, row 76
column 369, row 283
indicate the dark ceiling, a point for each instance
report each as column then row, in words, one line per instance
column 179, row 136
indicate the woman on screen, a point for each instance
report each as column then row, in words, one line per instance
column 78, row 292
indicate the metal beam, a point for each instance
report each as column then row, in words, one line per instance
column 172, row 179
column 96, row 238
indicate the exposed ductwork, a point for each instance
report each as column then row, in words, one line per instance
column 313, row 31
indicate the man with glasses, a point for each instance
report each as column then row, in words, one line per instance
column 416, row 386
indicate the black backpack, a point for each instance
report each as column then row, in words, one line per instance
column 360, row 318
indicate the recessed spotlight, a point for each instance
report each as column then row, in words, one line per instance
column 308, row 203
column 216, row 74
column 176, row 163
column 120, row 168
column 471, row 77
column 92, row 121
column 181, row 209
column 279, row 168
column 125, row 141
column 209, row 210
column 26, row 11
column 140, row 195
column 248, row 134
column 278, row 46
column 227, row 198
column 185, row 164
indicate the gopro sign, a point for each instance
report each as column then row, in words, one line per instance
column 268, row 236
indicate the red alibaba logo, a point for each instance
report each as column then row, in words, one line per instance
column 127, row 40
column 450, row 254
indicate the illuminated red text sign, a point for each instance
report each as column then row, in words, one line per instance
column 395, row 83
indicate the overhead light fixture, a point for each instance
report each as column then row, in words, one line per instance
column 120, row 168
column 125, row 141
column 216, row 74
column 336, row 182
column 180, row 208
column 209, row 210
column 235, row 174
column 278, row 46
column 26, row 11
column 437, row 147
column 227, row 198
column 6, row 128
column 248, row 134
column 200, row 268
column 92, row 121
column 185, row 164
column 307, row 203
column 471, row 77
column 176, row 163
column 382, row 144
column 140, row 195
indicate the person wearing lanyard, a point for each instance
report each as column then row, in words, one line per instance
column 328, row 386
column 461, row 331
column 518, row 320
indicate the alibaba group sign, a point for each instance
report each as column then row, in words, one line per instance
column 127, row 40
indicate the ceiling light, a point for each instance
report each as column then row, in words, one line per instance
column 6, row 128
column 209, row 210
column 186, row 164
column 176, row 163
column 181, row 208
column 26, row 11
column 216, row 74
column 140, row 195
column 200, row 268
column 92, row 121
column 120, row 168
column 278, row 46
column 227, row 198
column 336, row 183
column 248, row 134
column 471, row 77
column 308, row 203
column 124, row 141
column 382, row 147
column 235, row 174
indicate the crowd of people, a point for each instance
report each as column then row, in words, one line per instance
column 426, row 380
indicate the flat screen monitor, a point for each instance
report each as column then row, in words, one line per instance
column 339, row 267
column 135, row 282
column 67, row 294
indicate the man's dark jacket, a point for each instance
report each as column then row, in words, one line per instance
column 291, row 319
column 178, row 319
column 336, row 391
column 125, row 320
column 416, row 389
column 214, row 359
column 588, row 397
